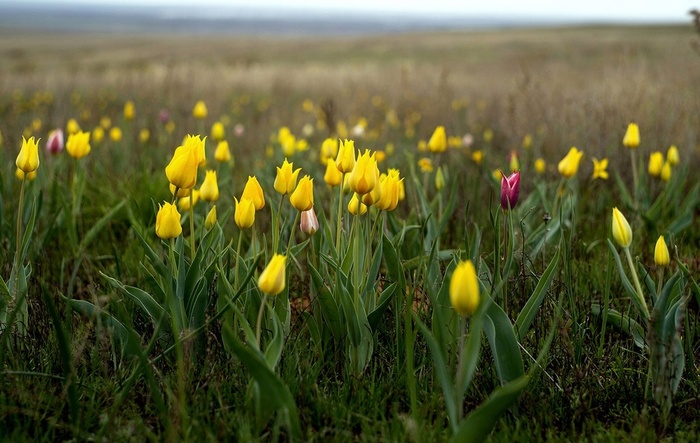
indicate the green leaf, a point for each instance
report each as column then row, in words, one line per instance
column 624, row 324
column 142, row 299
column 100, row 225
column 375, row 316
column 528, row 312
column 504, row 345
column 631, row 292
column 392, row 262
column 329, row 307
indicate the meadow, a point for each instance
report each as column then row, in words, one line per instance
column 498, row 284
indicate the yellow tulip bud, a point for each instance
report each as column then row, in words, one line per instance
column 363, row 177
column 168, row 222
column 345, row 162
column 672, row 155
column 144, row 135
column 621, row 230
column 244, row 214
column 332, row 177
column 185, row 204
column 115, row 134
column 439, row 179
column 631, row 138
column 303, row 196
column 666, row 172
column 129, row 110
column 438, row 141
column 329, row 150
column 180, row 191
column 210, row 221
column 355, row 206
column 569, row 164
column 98, row 134
column 286, row 179
column 464, row 289
column 29, row 176
column 478, row 157
column 540, row 166
column 254, row 192
column 425, row 164
column 272, row 279
column 661, row 255
column 200, row 110
column 222, row 152
column 182, row 169
column 217, row 131
column 656, row 162
column 72, row 126
column 78, row 144
column 390, row 191
column 209, row 191
column 28, row 157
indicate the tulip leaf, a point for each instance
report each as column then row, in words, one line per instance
column 142, row 299
column 329, row 307
column 504, row 345
column 528, row 312
column 274, row 348
column 367, row 288
column 624, row 324
column 624, row 193
column 681, row 223
column 478, row 424
column 392, row 262
column 28, row 231
column 376, row 315
column 623, row 277
column 196, row 304
column 100, row 225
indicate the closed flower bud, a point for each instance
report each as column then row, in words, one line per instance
column 438, row 141
column 513, row 161
column 222, row 152
column 115, row 134
column 210, row 221
column 661, row 255
column 666, row 172
column 332, row 177
column 656, row 163
column 185, row 203
column 364, row 175
column 54, row 145
column 672, row 155
column 272, row 279
column 303, row 196
column 286, row 179
column 391, row 188
column 28, row 157
column 22, row 176
column 355, row 206
column 345, row 162
column 144, row 135
column 217, row 131
column 478, row 157
column 439, row 179
column 182, row 169
column 253, row 191
column 78, row 144
column 309, row 222
column 631, row 138
column 510, row 190
column 200, row 110
column 181, row 192
column 329, row 150
column 621, row 230
column 209, row 191
column 129, row 110
column 569, row 164
column 168, row 222
column 464, row 289
column 98, row 134
column 375, row 194
column 244, row 214
column 540, row 166
column 72, row 126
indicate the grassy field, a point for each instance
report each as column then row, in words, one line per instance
column 127, row 336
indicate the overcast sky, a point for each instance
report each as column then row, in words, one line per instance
column 627, row 10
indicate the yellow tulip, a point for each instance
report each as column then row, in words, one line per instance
column 666, row 172
column 364, row 175
column 478, row 157
column 329, row 150
column 425, row 164
column 98, row 134
column 345, row 162
column 656, row 163
column 540, row 166
column 28, row 157
column 464, row 289
column 209, row 191
column 200, row 110
column 217, row 131
column 621, row 230
column 355, row 206
column 488, row 135
column 197, row 145
column 375, row 194
column 210, row 221
column 168, row 221
column 286, row 179
column 332, row 177
column 390, row 191
column 600, row 168
column 222, row 152
column 244, row 215
column 513, row 162
column 144, row 135
column 78, row 144
column 72, row 126
column 129, row 110
column 21, row 175
column 254, row 192
column 569, row 164
column 184, row 203
column 115, row 134
column 672, row 155
column 303, row 196
column 631, row 138
column 182, row 169
column 106, row 122
column 439, row 179
column 661, row 255
column 438, row 141
column 272, row 279
column 181, row 192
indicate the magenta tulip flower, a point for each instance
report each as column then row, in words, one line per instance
column 510, row 190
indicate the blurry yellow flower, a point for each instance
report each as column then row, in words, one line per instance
column 527, row 141
column 345, row 162
column 115, row 134
column 78, row 144
column 254, row 192
column 672, row 155
column 168, row 221
column 303, row 196
column 307, row 105
column 200, row 110
column 170, row 127
column 222, row 152
column 513, row 162
column 129, row 110
column 342, row 129
column 454, row 141
column 569, row 164
column 106, row 122
column 182, row 169
column 364, row 175
column 426, row 165
column 656, row 163
column 286, row 178
column 21, row 175
column 72, row 126
column 355, row 206
column 600, row 168
column 209, row 191
column 540, row 165
column 439, row 179
column 272, row 280
column 244, row 215
column 666, row 172
column 185, row 204
column 488, row 135
column 332, row 177
column 478, row 157
column 210, row 221
column 438, row 141
column 144, row 135
column 28, row 158
column 181, row 192
column 391, row 189
column 329, row 150
column 631, row 138
column 621, row 230
column 301, row 145
column 36, row 125
column 464, row 289
column 217, row 131
column 422, row 145
column 661, row 255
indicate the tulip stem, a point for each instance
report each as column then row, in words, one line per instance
column 637, row 286
column 18, row 247
column 258, row 324
column 291, row 234
column 192, row 244
column 660, row 283
column 634, row 175
column 340, row 211
column 238, row 257
column 276, row 228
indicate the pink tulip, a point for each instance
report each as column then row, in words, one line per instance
column 510, row 190
column 54, row 145
column 309, row 222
